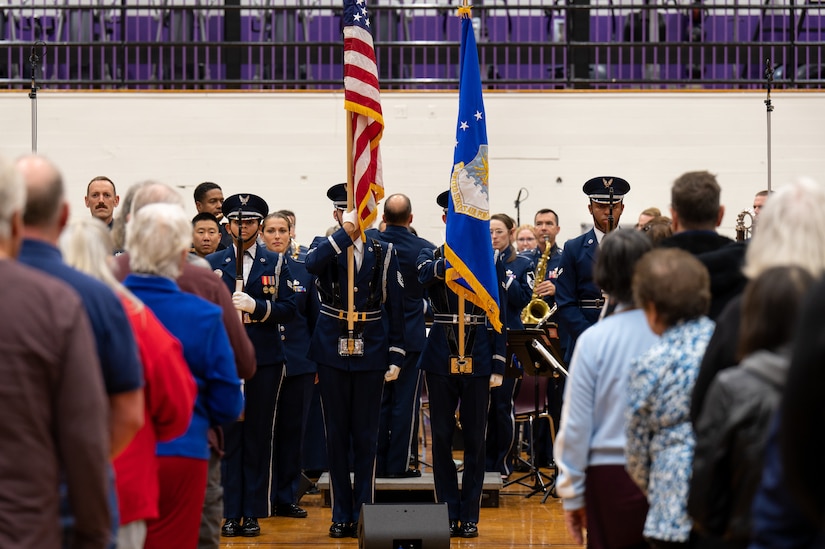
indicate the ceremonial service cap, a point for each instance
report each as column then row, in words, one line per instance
column 598, row 189
column 443, row 200
column 338, row 195
column 246, row 206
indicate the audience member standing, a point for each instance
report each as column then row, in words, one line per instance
column 400, row 399
column 203, row 283
column 791, row 232
column 733, row 427
column 169, row 388
column 158, row 238
column 696, row 211
column 788, row 505
column 597, row 493
column 673, row 289
column 45, row 216
column 53, row 400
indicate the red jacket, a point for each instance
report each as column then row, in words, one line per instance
column 169, row 393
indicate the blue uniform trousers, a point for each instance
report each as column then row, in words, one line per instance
column 247, row 465
column 473, row 394
column 290, row 424
column 501, row 427
column 399, row 408
column 351, row 402
column 315, row 439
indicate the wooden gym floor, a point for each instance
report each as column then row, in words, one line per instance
column 518, row 522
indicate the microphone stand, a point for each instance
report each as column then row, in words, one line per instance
column 34, row 60
column 518, row 205
column 769, row 106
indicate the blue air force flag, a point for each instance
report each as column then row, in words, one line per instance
column 471, row 271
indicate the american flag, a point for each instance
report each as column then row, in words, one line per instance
column 362, row 100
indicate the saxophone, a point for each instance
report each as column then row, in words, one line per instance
column 538, row 309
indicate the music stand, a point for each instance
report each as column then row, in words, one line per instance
column 537, row 349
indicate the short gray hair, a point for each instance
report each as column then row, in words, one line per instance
column 154, row 193
column 12, row 195
column 790, row 231
column 156, row 237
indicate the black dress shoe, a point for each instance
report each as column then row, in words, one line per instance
column 250, row 527
column 341, row 530
column 469, row 530
column 455, row 531
column 290, row 510
column 231, row 528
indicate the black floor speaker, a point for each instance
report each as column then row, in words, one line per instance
column 404, row 526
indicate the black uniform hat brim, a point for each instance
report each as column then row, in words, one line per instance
column 246, row 206
column 598, row 189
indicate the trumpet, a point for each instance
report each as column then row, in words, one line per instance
column 744, row 232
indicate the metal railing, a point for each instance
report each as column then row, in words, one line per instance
column 296, row 44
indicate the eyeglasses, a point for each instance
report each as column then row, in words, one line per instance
column 527, row 240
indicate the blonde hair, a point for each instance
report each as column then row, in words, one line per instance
column 87, row 245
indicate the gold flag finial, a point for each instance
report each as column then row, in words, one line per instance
column 464, row 10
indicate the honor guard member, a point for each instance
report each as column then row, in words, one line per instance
column 449, row 388
column 352, row 366
column 266, row 301
column 299, row 379
column 579, row 300
column 399, row 403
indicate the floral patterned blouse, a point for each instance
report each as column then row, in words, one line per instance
column 660, row 436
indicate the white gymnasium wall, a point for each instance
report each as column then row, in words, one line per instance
column 289, row 147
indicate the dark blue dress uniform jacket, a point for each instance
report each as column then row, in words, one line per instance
column 517, row 274
column 488, row 346
column 297, row 334
column 327, row 260
column 276, row 308
column 575, row 284
column 408, row 245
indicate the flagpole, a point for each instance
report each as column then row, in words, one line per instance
column 461, row 326
column 350, row 249
column 463, row 13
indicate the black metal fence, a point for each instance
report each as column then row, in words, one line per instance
column 296, row 44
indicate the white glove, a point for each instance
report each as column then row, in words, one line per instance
column 496, row 380
column 243, row 302
column 392, row 373
column 351, row 217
